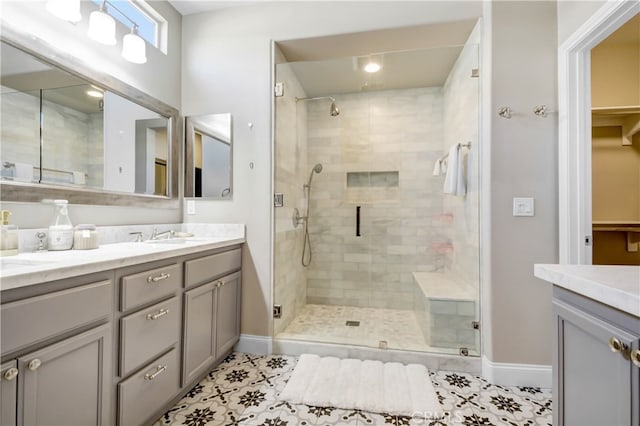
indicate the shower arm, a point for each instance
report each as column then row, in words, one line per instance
column 317, row 98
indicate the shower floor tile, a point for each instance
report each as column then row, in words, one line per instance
column 328, row 324
column 221, row 399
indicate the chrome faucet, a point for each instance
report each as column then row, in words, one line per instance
column 139, row 237
column 162, row 235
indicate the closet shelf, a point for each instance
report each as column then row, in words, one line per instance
column 631, row 228
column 626, row 116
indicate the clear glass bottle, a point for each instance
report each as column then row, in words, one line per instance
column 61, row 229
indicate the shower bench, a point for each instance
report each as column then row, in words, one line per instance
column 446, row 309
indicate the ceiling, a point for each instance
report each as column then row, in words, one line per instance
column 189, row 7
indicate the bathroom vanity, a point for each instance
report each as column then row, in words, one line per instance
column 118, row 334
column 596, row 361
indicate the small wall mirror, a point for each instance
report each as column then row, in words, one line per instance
column 209, row 156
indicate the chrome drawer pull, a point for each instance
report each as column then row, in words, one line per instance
column 161, row 313
column 635, row 357
column 159, row 369
column 162, row 276
column 10, row 374
column 34, row 364
column 219, row 284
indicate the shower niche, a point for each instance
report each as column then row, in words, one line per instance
column 369, row 251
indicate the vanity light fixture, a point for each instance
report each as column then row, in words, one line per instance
column 134, row 47
column 102, row 26
column 69, row 10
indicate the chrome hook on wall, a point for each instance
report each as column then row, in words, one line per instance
column 505, row 112
column 542, row 111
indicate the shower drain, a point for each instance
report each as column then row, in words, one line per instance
column 353, row 323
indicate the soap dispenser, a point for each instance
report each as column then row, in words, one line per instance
column 8, row 236
column 61, row 229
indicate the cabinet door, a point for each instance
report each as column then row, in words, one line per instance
column 67, row 383
column 594, row 386
column 199, row 330
column 228, row 316
column 8, row 392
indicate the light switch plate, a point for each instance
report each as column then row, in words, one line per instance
column 523, row 206
column 191, row 206
column 279, row 89
column 278, row 199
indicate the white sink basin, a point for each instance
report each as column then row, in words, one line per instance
column 10, row 263
column 167, row 241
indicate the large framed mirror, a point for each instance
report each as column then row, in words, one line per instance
column 209, row 156
column 71, row 132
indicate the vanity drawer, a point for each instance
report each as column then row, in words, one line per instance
column 36, row 319
column 208, row 267
column 146, row 333
column 144, row 393
column 150, row 285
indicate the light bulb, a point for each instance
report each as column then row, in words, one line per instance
column 69, row 10
column 102, row 27
column 372, row 67
column 134, row 48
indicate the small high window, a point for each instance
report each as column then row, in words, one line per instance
column 151, row 25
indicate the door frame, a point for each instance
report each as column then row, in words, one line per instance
column 574, row 142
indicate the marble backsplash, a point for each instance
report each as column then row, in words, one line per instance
column 28, row 239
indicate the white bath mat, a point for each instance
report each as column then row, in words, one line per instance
column 393, row 388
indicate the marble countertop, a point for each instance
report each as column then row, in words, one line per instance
column 31, row 268
column 616, row 286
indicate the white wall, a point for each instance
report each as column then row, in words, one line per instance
column 572, row 14
column 159, row 77
column 523, row 160
column 227, row 68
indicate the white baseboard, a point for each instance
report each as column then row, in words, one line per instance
column 251, row 344
column 505, row 374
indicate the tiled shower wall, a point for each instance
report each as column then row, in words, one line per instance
column 461, row 103
column 81, row 133
column 385, row 131
column 290, row 174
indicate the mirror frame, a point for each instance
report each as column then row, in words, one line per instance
column 36, row 192
column 189, row 173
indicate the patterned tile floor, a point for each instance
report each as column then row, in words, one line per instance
column 326, row 323
column 243, row 390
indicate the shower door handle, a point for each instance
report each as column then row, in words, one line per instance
column 357, row 221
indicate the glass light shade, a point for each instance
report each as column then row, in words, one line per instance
column 102, row 28
column 134, row 49
column 69, row 10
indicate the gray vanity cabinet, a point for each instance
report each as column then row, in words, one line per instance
column 200, row 306
column 8, row 392
column 228, row 314
column 211, row 311
column 66, row 383
column 595, row 382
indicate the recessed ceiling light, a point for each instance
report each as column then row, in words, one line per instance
column 372, row 67
column 94, row 93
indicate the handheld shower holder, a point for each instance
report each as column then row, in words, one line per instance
column 297, row 219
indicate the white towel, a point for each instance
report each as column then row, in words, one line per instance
column 23, row 172
column 437, row 168
column 79, row 178
column 455, row 183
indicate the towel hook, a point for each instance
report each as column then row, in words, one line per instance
column 505, row 112
column 542, row 111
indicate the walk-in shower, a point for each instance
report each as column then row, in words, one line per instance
column 395, row 262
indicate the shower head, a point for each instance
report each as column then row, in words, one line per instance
column 317, row 168
column 334, row 111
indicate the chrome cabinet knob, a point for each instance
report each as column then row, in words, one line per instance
column 635, row 357
column 616, row 345
column 10, row 374
column 34, row 364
